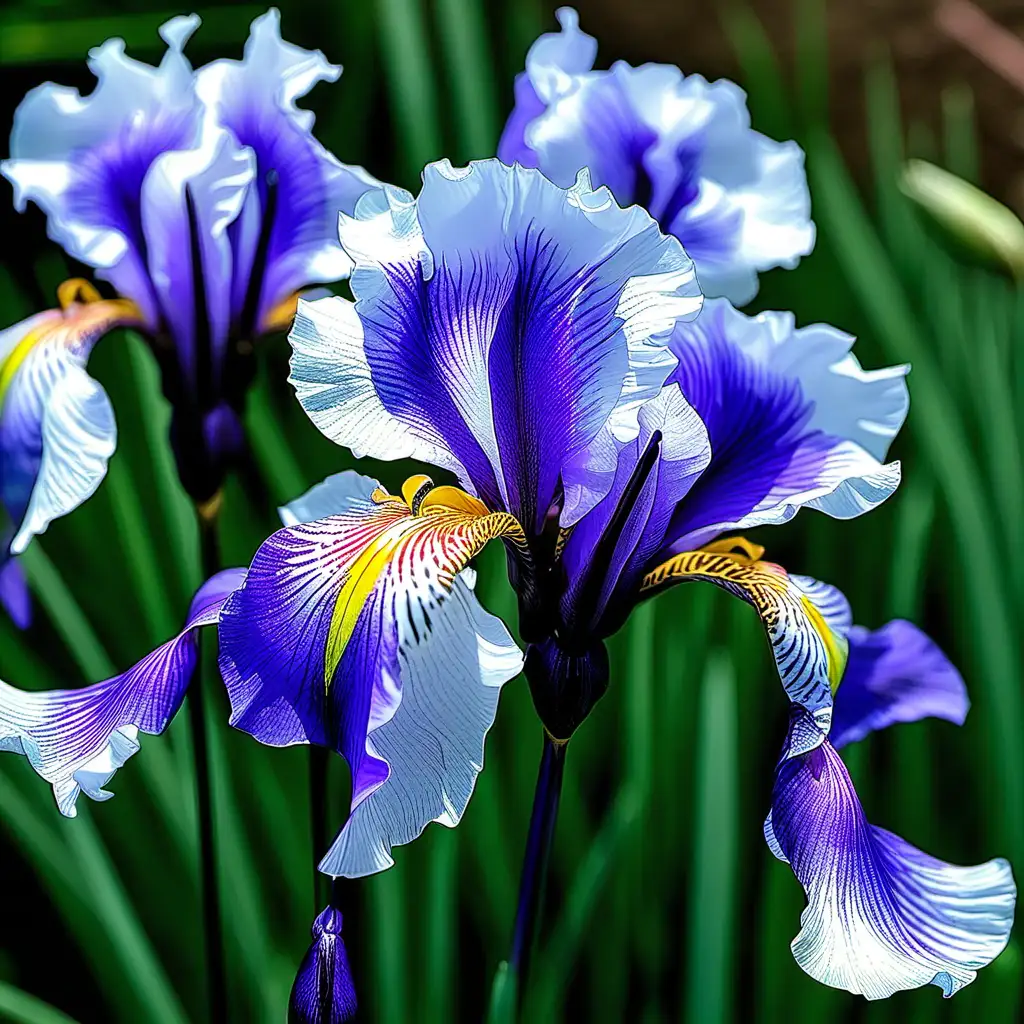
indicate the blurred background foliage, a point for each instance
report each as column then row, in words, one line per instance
column 665, row 904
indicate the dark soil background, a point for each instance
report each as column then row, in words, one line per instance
column 926, row 61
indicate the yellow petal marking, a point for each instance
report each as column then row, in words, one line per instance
column 459, row 524
column 734, row 563
column 836, row 646
column 83, row 314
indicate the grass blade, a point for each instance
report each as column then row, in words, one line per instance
column 714, row 882
column 502, row 1009
column 22, row 1008
column 441, row 925
column 389, row 910
column 413, row 92
column 467, row 55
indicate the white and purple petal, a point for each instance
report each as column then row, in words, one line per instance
column 77, row 739
column 881, row 915
column 894, row 674
column 57, row 428
column 354, row 631
column 300, row 188
column 793, row 419
column 805, row 620
column 189, row 200
column 512, row 327
column 83, row 160
column 678, row 145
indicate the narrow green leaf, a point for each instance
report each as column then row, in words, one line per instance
column 141, row 967
column 277, row 462
column 502, row 1009
column 155, row 416
column 27, row 41
column 139, row 559
column 561, row 952
column 389, row 908
column 413, row 92
column 441, row 946
column 245, row 927
column 469, row 63
column 17, row 1005
column 812, row 61
column 66, row 614
column 761, row 72
column 959, row 131
column 714, row 880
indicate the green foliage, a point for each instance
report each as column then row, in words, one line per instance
column 664, row 902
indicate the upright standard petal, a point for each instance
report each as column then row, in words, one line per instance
column 287, row 237
column 83, row 160
column 608, row 552
column 324, row 992
column 356, row 631
column 881, row 915
column 189, row 200
column 894, row 674
column 77, row 739
column 806, row 622
column 56, row 424
column 507, row 327
column 793, row 420
column 678, row 145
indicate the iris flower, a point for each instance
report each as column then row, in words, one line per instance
column 676, row 144
column 204, row 201
column 536, row 343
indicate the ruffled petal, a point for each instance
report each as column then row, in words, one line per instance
column 677, row 145
column 881, row 916
column 794, row 421
column 300, row 186
column 493, row 276
column 806, row 622
column 324, row 992
column 894, row 674
column 77, row 739
column 57, row 428
column 83, row 160
column 353, row 631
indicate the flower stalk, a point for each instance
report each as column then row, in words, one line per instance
column 216, row 982
column 533, row 880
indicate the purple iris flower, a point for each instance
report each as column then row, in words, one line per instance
column 675, row 144
column 204, row 201
column 483, row 352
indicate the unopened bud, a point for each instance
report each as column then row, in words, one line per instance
column 978, row 223
column 323, row 992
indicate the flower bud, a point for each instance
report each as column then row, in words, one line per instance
column 323, row 992
column 565, row 684
column 972, row 219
